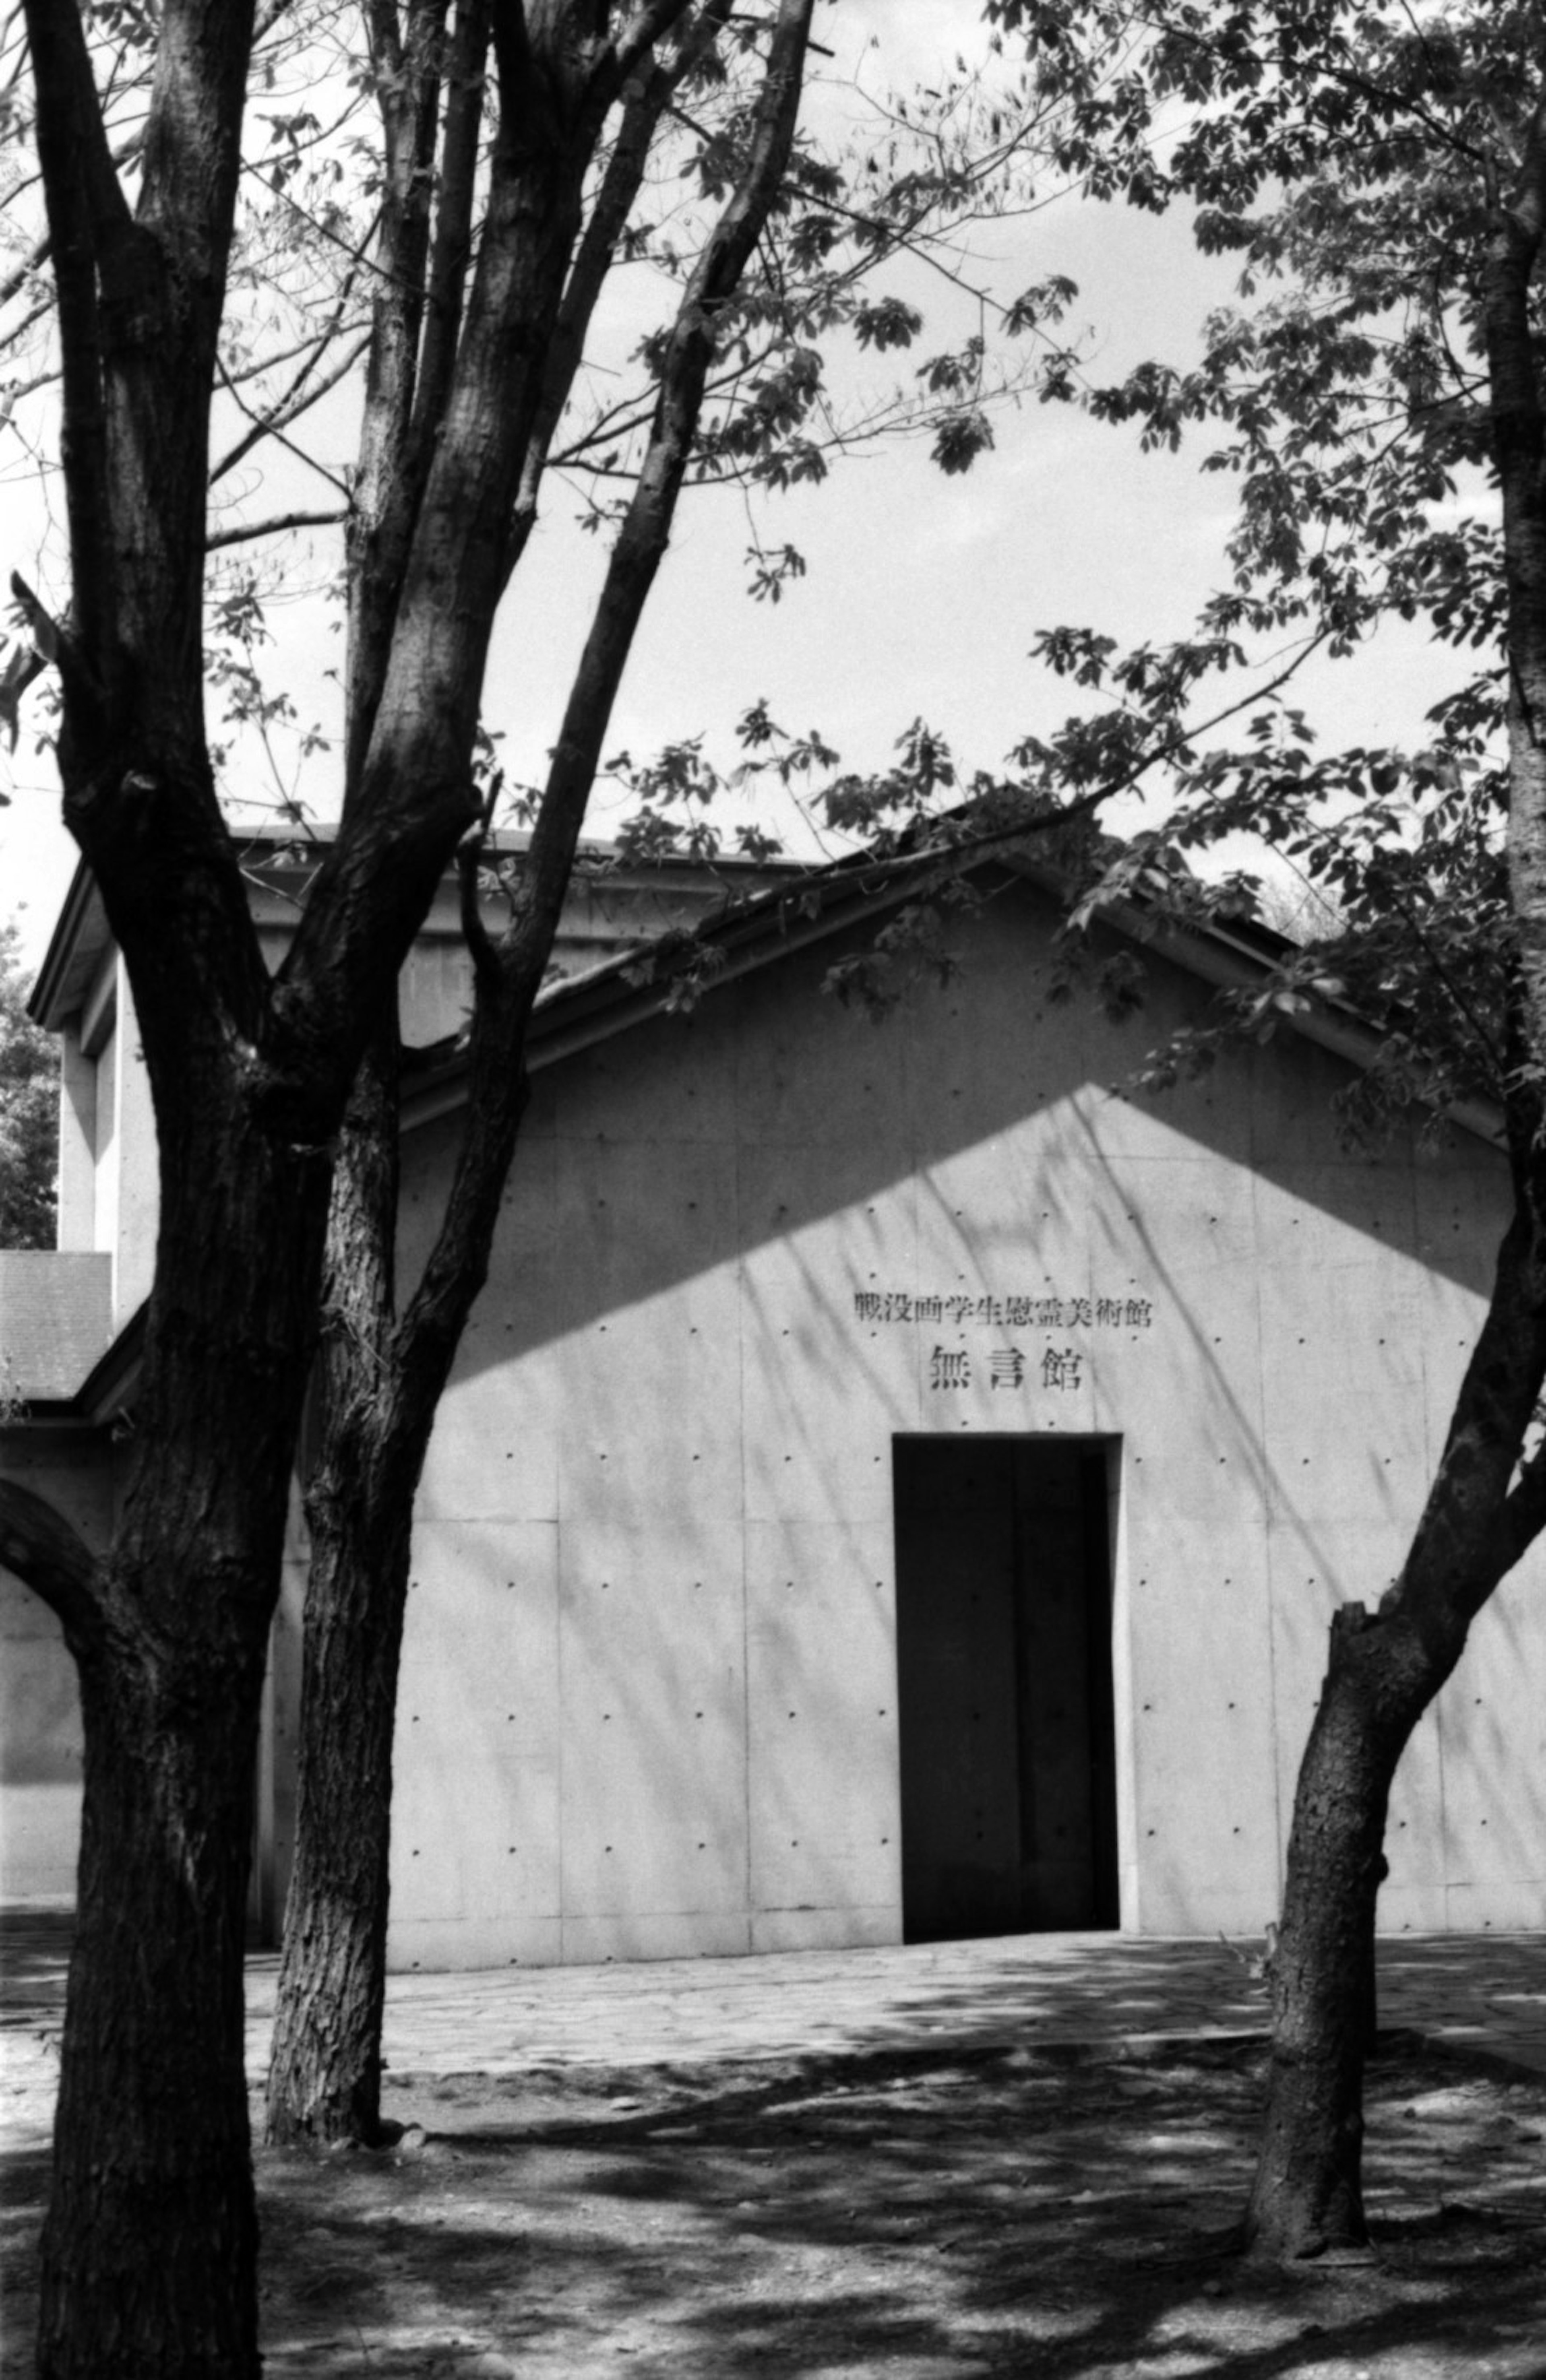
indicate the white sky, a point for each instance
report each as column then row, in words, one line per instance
column 924, row 592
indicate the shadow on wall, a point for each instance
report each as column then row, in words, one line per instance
column 778, row 1108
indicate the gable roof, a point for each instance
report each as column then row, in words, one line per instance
column 790, row 909
column 578, row 1010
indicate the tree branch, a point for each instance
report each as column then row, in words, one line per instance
column 39, row 253
column 646, row 527
column 85, row 206
column 509, row 974
column 452, row 250
column 300, row 397
column 648, row 95
column 192, row 143
column 268, row 427
column 244, row 534
column 386, row 490
column 642, row 30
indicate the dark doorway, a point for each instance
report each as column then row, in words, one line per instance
column 1004, row 1686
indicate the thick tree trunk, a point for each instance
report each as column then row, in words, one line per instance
column 324, row 2080
column 150, row 2244
column 150, row 2252
column 324, row 2076
column 379, row 1381
column 1308, row 2194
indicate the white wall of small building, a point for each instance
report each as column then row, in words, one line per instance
column 649, row 1687
column 648, row 1693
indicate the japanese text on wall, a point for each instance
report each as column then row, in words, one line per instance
column 1008, row 1313
column 1065, row 1368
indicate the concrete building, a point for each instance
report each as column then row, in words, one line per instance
column 894, row 1482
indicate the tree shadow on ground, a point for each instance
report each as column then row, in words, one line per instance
column 1003, row 2212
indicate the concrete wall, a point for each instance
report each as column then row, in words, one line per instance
column 39, row 1711
column 649, row 1692
column 56, row 1319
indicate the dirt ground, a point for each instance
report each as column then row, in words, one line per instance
column 923, row 2217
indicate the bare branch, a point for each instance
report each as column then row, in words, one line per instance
column 85, row 207
column 386, row 488
column 245, row 533
column 646, row 528
column 453, row 234
column 38, row 255
column 269, row 430
column 303, row 394
column 646, row 99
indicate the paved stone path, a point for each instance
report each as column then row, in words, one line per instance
column 1488, row 1991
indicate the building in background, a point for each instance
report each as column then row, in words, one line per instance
column 894, row 1484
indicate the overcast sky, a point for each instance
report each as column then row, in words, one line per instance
column 923, row 591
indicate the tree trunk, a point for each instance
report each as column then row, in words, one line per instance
column 379, row 1384
column 324, row 2080
column 149, row 2255
column 324, row 2076
column 1308, row 2194
column 149, row 2249
column 382, row 1376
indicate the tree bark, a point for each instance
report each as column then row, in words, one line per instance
column 149, row 2248
column 384, row 1376
column 1308, row 2194
column 324, row 2076
column 1489, row 1499
column 150, row 2251
column 379, row 1383
column 1485, row 1507
column 149, row 2242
